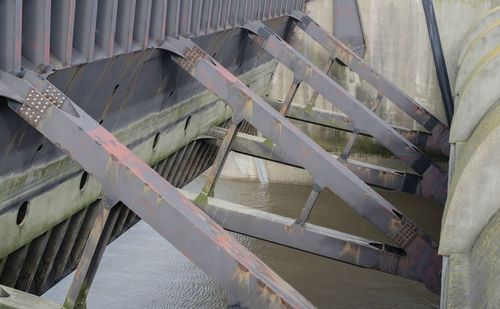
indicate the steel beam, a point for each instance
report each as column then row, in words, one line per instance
column 439, row 61
column 220, row 160
column 330, row 119
column 307, row 237
column 92, row 254
column 435, row 179
column 421, row 250
column 126, row 178
column 440, row 133
column 371, row 174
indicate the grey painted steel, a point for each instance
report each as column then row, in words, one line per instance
column 327, row 171
column 126, row 178
column 337, row 49
column 38, row 34
column 439, row 61
column 348, row 26
column 330, row 119
column 435, row 179
column 92, row 254
column 307, row 237
column 369, row 173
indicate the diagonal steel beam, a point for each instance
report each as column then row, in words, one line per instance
column 328, row 172
column 126, row 178
column 435, row 179
column 371, row 174
column 330, row 119
column 307, row 237
column 440, row 133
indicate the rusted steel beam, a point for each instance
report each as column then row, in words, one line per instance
column 371, row 174
column 307, row 237
column 425, row 263
column 435, row 179
column 92, row 254
column 325, row 118
column 348, row 27
column 311, row 200
column 439, row 132
column 220, row 160
column 289, row 96
column 126, row 178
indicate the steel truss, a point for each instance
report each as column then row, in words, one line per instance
column 424, row 262
column 125, row 178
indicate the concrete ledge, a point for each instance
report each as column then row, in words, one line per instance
column 12, row 298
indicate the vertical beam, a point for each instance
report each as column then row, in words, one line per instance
column 289, row 96
column 439, row 131
column 158, row 20
column 434, row 182
column 142, row 21
column 125, row 25
column 106, row 26
column 36, row 32
column 10, row 35
column 61, row 29
column 348, row 27
column 85, row 25
column 301, row 149
column 220, row 160
column 439, row 61
column 92, row 254
column 126, row 178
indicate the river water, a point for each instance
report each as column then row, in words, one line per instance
column 142, row 270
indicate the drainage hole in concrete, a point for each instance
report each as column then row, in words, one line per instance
column 83, row 180
column 188, row 120
column 39, row 148
column 156, row 140
column 21, row 213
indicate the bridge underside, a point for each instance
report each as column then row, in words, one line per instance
column 132, row 127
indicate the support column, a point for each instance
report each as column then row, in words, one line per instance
column 92, row 254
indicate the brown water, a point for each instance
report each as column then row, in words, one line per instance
column 142, row 270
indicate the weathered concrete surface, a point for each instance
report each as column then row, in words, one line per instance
column 479, row 94
column 15, row 299
column 481, row 46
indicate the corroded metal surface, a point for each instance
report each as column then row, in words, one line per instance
column 421, row 250
column 126, row 178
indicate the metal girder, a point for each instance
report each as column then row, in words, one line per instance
column 371, row 174
column 347, row 25
column 435, row 179
column 439, row 61
column 424, row 261
column 220, row 160
column 340, row 121
column 92, row 254
column 439, row 132
column 126, row 178
column 307, row 237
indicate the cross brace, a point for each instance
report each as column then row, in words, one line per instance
column 126, row 178
column 340, row 121
column 307, row 237
column 371, row 174
column 328, row 172
column 435, row 180
column 439, row 132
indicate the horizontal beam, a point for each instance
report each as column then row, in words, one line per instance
column 310, row 238
column 126, row 178
column 327, row 172
column 371, row 174
column 334, row 120
column 439, row 132
column 435, row 179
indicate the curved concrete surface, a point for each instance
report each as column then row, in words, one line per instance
column 482, row 23
column 480, row 92
column 484, row 43
column 474, row 194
